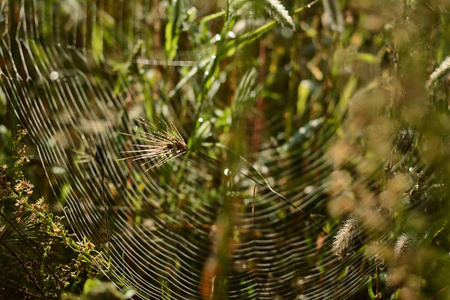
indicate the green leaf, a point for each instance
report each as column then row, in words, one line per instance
column 367, row 57
column 230, row 48
column 65, row 192
column 304, row 90
column 91, row 284
column 433, row 231
column 172, row 32
column 346, row 94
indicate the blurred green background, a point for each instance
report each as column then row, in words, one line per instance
column 340, row 107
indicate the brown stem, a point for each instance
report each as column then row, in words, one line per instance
column 33, row 296
column 108, row 234
column 260, row 103
column 25, row 268
column 100, row 158
column 439, row 292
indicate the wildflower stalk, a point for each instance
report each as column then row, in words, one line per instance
column 46, row 217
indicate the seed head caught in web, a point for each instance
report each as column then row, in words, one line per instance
column 156, row 147
column 404, row 247
column 346, row 236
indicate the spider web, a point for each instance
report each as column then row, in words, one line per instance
column 166, row 223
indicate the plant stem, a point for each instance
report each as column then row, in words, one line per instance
column 25, row 268
column 377, row 287
column 108, row 234
column 33, row 296
column 100, row 158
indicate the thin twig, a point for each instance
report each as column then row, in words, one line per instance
column 224, row 164
column 266, row 183
column 25, row 268
column 253, row 204
column 21, row 291
column 439, row 292
column 100, row 157
column 108, row 234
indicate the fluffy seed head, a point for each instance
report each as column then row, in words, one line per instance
column 279, row 12
column 403, row 246
column 156, row 147
column 346, row 236
column 443, row 68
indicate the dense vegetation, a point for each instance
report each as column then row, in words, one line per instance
column 260, row 149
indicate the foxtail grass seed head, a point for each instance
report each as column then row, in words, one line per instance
column 346, row 236
column 279, row 13
column 443, row 68
column 403, row 247
column 156, row 147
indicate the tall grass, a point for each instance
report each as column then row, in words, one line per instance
column 302, row 152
